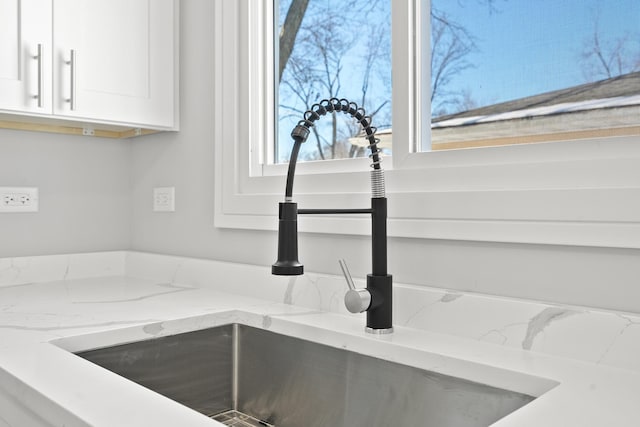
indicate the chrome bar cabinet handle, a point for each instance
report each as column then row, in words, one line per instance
column 72, row 79
column 38, row 57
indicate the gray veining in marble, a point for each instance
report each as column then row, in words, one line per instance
column 541, row 321
column 288, row 295
column 450, row 296
column 68, row 327
column 174, row 289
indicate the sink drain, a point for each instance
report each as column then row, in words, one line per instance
column 238, row 419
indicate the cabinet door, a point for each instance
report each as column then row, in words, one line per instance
column 25, row 77
column 114, row 61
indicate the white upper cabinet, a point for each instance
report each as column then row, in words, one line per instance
column 115, row 60
column 103, row 61
column 25, row 76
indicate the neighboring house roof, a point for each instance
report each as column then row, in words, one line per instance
column 605, row 108
column 620, row 87
column 608, row 107
column 546, row 110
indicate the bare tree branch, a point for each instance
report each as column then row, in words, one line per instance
column 607, row 58
column 451, row 45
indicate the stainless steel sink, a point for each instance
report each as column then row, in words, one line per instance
column 289, row 382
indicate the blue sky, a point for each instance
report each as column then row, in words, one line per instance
column 533, row 46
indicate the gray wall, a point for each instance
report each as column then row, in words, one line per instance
column 97, row 195
column 84, row 190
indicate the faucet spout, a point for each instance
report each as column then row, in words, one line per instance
column 379, row 283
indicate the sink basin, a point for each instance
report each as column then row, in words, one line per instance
column 284, row 381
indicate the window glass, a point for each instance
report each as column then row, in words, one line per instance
column 332, row 48
column 502, row 72
column 509, row 71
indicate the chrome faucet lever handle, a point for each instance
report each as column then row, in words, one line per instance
column 347, row 274
column 356, row 300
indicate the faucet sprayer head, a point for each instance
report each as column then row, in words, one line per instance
column 287, row 263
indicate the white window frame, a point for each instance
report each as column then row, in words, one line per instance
column 584, row 193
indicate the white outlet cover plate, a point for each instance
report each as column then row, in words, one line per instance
column 164, row 199
column 18, row 199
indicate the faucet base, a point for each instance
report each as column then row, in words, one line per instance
column 379, row 314
column 373, row 331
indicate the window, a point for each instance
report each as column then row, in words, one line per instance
column 327, row 49
column 506, row 72
column 583, row 192
column 502, row 72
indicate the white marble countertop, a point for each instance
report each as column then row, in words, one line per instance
column 43, row 384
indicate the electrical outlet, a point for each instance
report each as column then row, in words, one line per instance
column 164, row 199
column 18, row 199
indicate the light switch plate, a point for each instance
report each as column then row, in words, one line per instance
column 18, row 199
column 164, row 199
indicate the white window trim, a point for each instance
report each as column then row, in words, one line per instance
column 584, row 193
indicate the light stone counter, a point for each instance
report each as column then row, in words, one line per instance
column 583, row 364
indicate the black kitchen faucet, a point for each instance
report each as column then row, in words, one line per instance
column 376, row 299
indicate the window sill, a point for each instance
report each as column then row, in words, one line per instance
column 586, row 217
